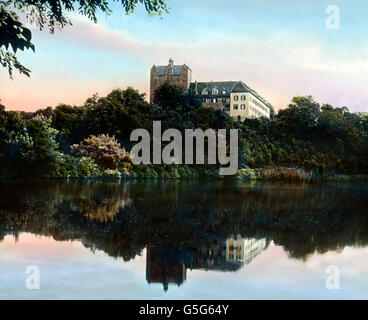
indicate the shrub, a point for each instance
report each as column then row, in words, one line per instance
column 212, row 173
column 283, row 174
column 105, row 150
column 173, row 172
column 142, row 171
column 246, row 174
column 88, row 167
column 112, row 174
column 187, row 172
column 68, row 167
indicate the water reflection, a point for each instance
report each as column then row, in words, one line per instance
column 169, row 265
column 218, row 226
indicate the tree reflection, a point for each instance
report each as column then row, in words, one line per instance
column 187, row 225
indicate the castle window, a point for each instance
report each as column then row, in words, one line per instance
column 243, row 97
column 214, row 91
column 223, row 91
column 224, row 100
column 235, row 107
column 236, row 98
column 214, row 100
column 242, row 106
column 204, row 92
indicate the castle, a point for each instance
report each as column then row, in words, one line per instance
column 232, row 97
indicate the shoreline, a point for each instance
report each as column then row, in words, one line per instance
column 237, row 177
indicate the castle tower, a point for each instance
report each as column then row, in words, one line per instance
column 178, row 75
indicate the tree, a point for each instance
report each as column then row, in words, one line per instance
column 11, row 124
column 300, row 117
column 33, row 151
column 51, row 14
column 2, row 108
column 169, row 96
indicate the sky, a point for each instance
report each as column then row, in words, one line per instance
column 280, row 48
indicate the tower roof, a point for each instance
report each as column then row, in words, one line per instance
column 176, row 69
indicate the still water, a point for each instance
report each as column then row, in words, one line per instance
column 183, row 240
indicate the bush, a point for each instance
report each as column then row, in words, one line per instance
column 107, row 152
column 187, row 172
column 283, row 174
column 246, row 174
column 68, row 167
column 88, row 167
column 142, row 171
column 212, row 173
column 112, row 174
column 172, row 172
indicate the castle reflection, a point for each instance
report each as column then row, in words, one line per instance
column 168, row 265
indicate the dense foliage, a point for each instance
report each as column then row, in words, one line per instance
column 314, row 140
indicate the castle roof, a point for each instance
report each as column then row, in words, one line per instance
column 228, row 86
column 176, row 69
column 209, row 86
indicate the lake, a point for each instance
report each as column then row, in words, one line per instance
column 183, row 240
